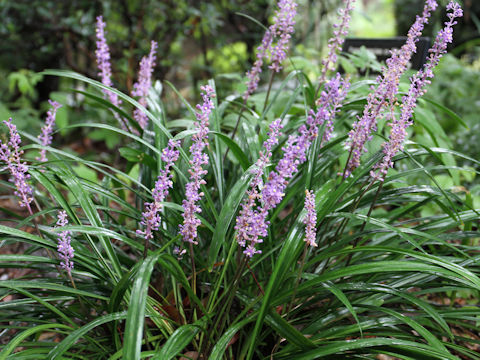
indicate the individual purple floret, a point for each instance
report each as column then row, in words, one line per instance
column 311, row 219
column 282, row 28
column 11, row 154
column 151, row 215
column 385, row 93
column 418, row 82
column 46, row 135
column 245, row 223
column 196, row 171
column 142, row 86
column 103, row 61
column 284, row 21
column 64, row 248
column 336, row 41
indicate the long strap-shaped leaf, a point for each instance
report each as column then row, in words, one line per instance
column 70, row 340
column 179, row 340
column 136, row 310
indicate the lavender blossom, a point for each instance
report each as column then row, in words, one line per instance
column 142, row 87
column 418, row 82
column 311, row 218
column 385, row 93
column 103, row 61
column 46, row 135
column 64, row 248
column 281, row 28
column 328, row 104
column 199, row 158
column 335, row 43
column 245, row 222
column 10, row 153
column 151, row 216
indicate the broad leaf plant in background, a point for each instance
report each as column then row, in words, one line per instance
column 285, row 222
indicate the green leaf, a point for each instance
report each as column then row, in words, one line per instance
column 235, row 149
column 74, row 336
column 136, row 310
column 179, row 340
column 137, row 156
column 17, row 340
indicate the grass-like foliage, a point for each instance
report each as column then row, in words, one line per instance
column 270, row 232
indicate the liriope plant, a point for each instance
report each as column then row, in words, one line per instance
column 275, row 235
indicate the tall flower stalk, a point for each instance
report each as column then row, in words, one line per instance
column 417, row 89
column 64, row 248
column 151, row 218
column 10, row 154
column 340, row 31
column 103, row 61
column 199, row 159
column 385, row 94
column 246, row 221
column 280, row 30
column 142, row 86
column 46, row 132
column 311, row 219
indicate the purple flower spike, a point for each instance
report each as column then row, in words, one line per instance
column 311, row 218
column 247, row 221
column 103, row 61
column 282, row 28
column 64, row 248
column 328, row 104
column 142, row 87
column 253, row 74
column 11, row 154
column 385, row 93
column 418, row 82
column 46, row 135
column 197, row 172
column 151, row 216
column 335, row 43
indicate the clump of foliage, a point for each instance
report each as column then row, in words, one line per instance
column 286, row 222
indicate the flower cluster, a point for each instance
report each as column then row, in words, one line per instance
column 328, row 104
column 11, row 154
column 64, row 248
column 385, row 93
column 46, row 135
column 196, row 171
column 418, row 82
column 151, row 216
column 282, row 28
column 336, row 41
column 311, row 218
column 142, row 86
column 103, row 61
column 246, row 222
